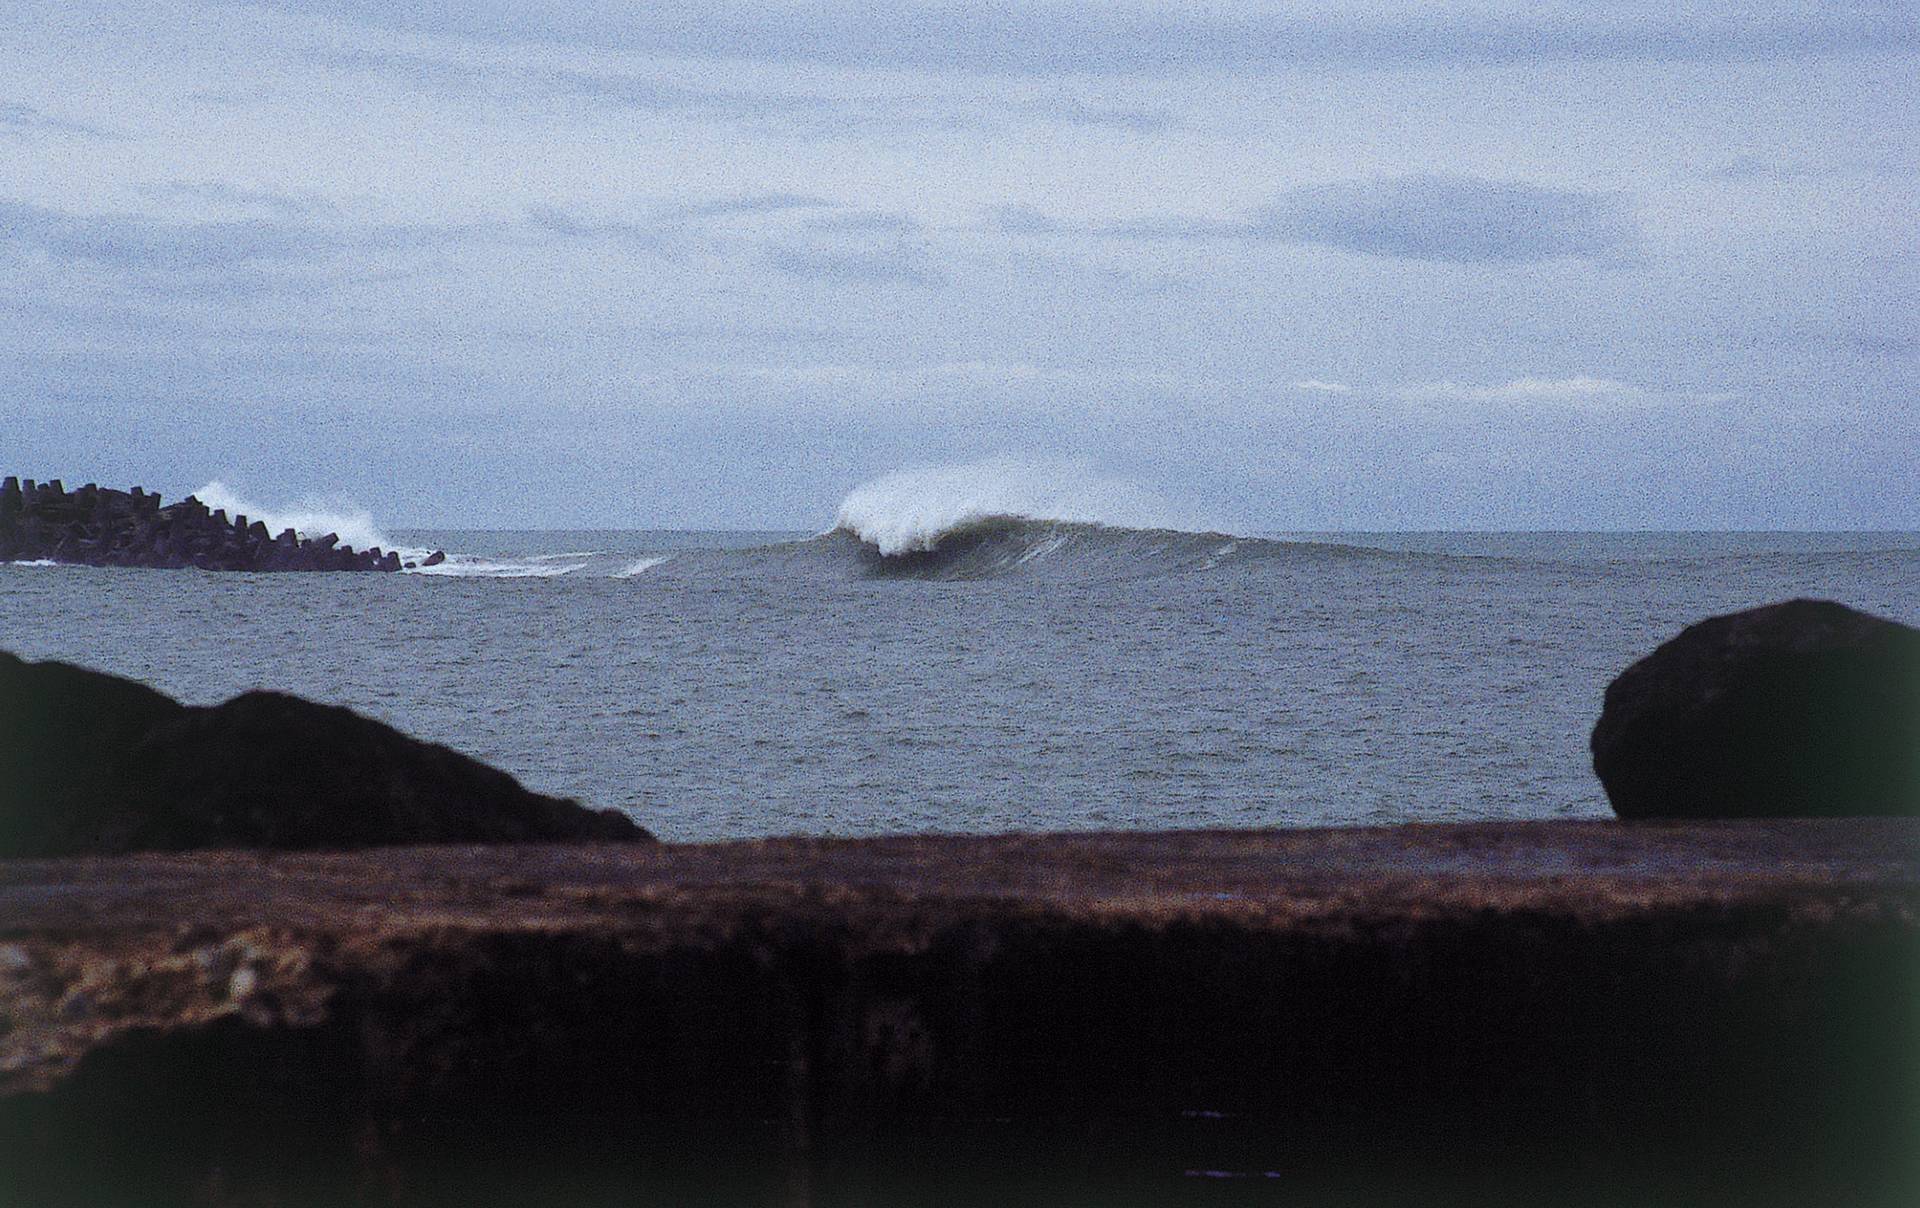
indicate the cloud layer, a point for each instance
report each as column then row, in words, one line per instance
column 1063, row 36
column 1291, row 266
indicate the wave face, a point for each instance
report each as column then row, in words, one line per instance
column 1003, row 517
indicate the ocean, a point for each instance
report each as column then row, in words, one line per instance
column 1020, row 674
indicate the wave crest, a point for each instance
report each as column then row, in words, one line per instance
column 913, row 511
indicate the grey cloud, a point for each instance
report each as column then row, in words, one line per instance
column 1451, row 218
column 1022, row 220
column 852, row 266
column 612, row 89
column 1752, row 167
column 1075, row 111
column 1579, row 393
column 804, row 112
column 668, row 229
column 228, row 259
column 827, row 111
column 756, row 203
column 1183, row 228
column 1056, row 38
column 140, row 243
column 1887, row 346
column 876, row 221
column 23, row 119
column 219, row 193
column 553, row 220
column 607, row 89
column 1458, row 219
column 628, row 90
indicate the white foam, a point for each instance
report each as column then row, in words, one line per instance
column 458, row 567
column 641, row 566
column 912, row 509
column 309, row 517
column 1041, row 550
column 35, row 562
column 1214, row 558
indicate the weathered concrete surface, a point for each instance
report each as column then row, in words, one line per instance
column 1588, row 1012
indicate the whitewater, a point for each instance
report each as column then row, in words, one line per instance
column 969, row 651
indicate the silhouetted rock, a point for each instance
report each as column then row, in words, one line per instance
column 91, row 763
column 63, row 730
column 1806, row 708
column 103, row 527
column 435, row 558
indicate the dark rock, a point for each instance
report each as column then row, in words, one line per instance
column 63, row 730
column 435, row 558
column 91, row 763
column 1806, row 708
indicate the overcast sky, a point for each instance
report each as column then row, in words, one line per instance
column 690, row 264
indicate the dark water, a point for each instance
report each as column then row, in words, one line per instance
column 1019, row 676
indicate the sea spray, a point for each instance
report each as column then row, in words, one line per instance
column 310, row 517
column 911, row 510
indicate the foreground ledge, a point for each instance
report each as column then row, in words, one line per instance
column 1595, row 1011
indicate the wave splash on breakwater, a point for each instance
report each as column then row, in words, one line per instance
column 313, row 517
column 309, row 518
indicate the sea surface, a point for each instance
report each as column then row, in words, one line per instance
column 986, row 675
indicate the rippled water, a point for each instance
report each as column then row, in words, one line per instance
column 1049, row 677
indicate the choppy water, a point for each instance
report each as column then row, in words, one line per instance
column 1018, row 676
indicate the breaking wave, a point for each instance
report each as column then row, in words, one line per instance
column 913, row 511
column 994, row 547
column 1002, row 517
